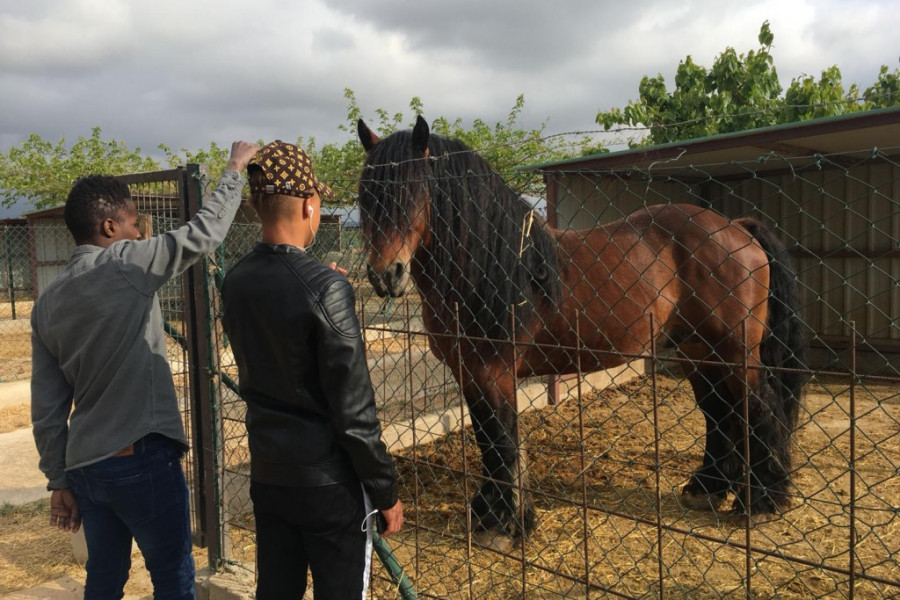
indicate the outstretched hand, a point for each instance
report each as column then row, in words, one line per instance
column 241, row 154
column 334, row 266
column 64, row 514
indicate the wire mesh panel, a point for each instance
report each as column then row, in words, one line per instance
column 605, row 414
column 161, row 202
column 16, row 299
column 554, row 465
column 32, row 255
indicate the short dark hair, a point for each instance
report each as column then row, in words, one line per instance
column 91, row 200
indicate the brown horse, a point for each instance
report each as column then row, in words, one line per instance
column 532, row 300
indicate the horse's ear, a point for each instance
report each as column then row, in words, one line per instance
column 366, row 136
column 420, row 135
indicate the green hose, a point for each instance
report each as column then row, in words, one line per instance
column 387, row 558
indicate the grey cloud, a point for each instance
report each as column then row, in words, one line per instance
column 187, row 74
column 511, row 34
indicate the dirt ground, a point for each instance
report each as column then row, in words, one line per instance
column 598, row 514
column 604, row 507
column 32, row 552
column 15, row 342
column 15, row 417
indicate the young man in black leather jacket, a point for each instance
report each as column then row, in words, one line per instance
column 319, row 468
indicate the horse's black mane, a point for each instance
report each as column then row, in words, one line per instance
column 477, row 255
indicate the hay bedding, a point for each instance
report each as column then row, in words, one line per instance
column 15, row 354
column 619, row 486
column 32, row 552
column 618, row 482
column 15, row 417
column 15, row 341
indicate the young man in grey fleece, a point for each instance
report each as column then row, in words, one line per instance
column 98, row 344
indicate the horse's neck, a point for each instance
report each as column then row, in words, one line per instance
column 435, row 301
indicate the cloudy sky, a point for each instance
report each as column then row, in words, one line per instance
column 189, row 72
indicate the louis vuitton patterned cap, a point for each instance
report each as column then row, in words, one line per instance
column 288, row 171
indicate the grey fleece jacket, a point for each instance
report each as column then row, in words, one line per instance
column 98, row 342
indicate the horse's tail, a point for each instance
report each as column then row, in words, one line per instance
column 784, row 348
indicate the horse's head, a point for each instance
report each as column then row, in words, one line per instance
column 394, row 204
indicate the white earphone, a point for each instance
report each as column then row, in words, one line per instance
column 309, row 209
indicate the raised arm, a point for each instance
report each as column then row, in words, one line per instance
column 149, row 263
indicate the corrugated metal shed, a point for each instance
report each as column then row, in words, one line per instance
column 831, row 187
column 51, row 245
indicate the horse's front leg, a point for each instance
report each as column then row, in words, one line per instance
column 498, row 505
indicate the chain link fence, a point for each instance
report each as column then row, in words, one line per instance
column 608, row 451
column 16, row 299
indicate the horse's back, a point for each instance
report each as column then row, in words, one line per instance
column 675, row 233
column 678, row 262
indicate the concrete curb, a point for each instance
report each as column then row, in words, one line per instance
column 22, row 482
column 230, row 584
column 64, row 588
column 15, row 393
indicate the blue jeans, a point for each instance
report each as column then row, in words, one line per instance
column 141, row 496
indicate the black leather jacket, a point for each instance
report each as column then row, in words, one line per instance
column 292, row 324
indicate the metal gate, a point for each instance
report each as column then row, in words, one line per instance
column 165, row 200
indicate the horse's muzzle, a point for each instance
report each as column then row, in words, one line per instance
column 390, row 282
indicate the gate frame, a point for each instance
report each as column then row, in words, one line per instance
column 191, row 181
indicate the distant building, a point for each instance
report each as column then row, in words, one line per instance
column 17, row 210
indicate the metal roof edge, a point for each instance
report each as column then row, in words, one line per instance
column 748, row 137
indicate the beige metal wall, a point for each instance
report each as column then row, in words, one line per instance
column 845, row 226
column 52, row 245
column 842, row 224
column 586, row 200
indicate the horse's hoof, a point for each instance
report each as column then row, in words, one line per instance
column 739, row 518
column 494, row 540
column 761, row 511
column 701, row 501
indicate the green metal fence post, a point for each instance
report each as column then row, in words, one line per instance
column 9, row 271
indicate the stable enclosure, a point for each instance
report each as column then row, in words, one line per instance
column 607, row 453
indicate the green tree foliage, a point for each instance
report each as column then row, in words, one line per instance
column 885, row 91
column 43, row 172
column 741, row 92
column 214, row 157
column 505, row 145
